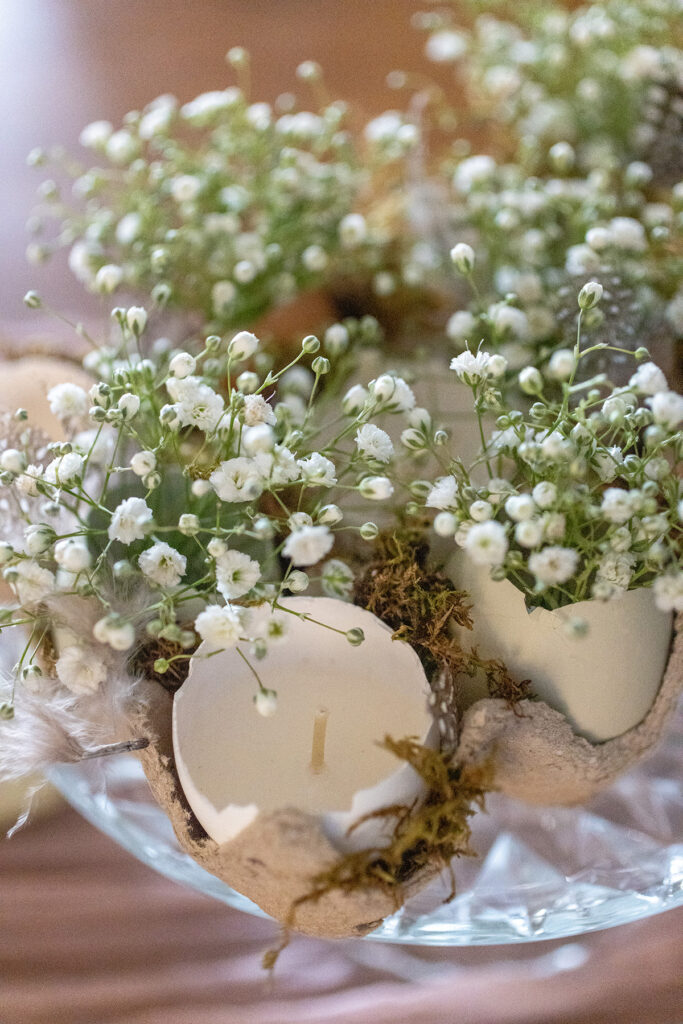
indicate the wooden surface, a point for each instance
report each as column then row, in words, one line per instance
column 88, row 935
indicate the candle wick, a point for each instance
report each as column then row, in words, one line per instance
column 318, row 748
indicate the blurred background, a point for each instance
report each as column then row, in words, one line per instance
column 87, row 934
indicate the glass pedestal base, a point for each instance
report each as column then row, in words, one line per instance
column 540, row 873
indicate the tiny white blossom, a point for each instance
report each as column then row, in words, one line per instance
column 668, row 592
column 337, row 579
column 64, row 469
column 257, row 410
column 529, row 533
column 461, row 325
column 353, row 230
column 374, row 443
column 136, row 318
column 223, row 294
column 182, row 365
column 27, row 483
column 561, row 365
column 237, row 480
column 376, row 488
column 12, row 461
column 627, row 233
column 72, row 554
column 308, row 545
column 553, row 565
column 260, row 438
column 616, row 567
column 32, row 582
column 667, row 408
column 486, row 543
column 130, row 520
column 481, row 511
column 196, row 404
column 265, row 702
column 648, row 379
column 68, row 401
column 279, row 466
column 317, row 470
column 219, row 626
column 471, row 367
column 445, row 524
column 617, row 505
column 243, row 346
column 463, row 258
column 393, row 393
column 116, row 632
column 474, row 171
column 79, row 669
column 236, row 574
column 108, row 278
column 443, row 494
column 608, row 462
column 354, row 400
column 544, row 494
column 520, row 507
column 143, row 463
column 162, row 564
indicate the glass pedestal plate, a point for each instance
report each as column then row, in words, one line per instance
column 541, row 873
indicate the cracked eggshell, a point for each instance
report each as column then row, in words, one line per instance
column 538, row 758
column 235, row 765
column 273, row 860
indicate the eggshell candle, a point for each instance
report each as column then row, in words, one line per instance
column 321, row 751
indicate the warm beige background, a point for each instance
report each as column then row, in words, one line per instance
column 87, row 934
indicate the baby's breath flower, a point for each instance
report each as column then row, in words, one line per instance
column 130, row 520
column 265, row 702
column 374, row 444
column 143, row 463
column 486, row 543
column 114, row 631
column 182, row 365
column 648, row 379
column 220, row 626
column 667, row 408
column 443, row 494
column 354, row 399
column 68, row 401
column 318, row 471
column 308, row 545
column 553, row 565
column 237, row 480
column 64, row 469
column 162, row 564
column 668, row 591
column 79, row 669
column 72, row 554
column 243, row 346
column 376, row 488
column 257, row 410
column 337, row 579
column 236, row 574
column 31, row 582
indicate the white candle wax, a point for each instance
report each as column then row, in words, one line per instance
column 233, row 763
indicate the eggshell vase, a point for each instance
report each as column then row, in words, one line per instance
column 604, row 678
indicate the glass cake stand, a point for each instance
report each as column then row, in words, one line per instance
column 540, row 873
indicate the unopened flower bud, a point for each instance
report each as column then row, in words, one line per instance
column 463, row 258
column 590, row 295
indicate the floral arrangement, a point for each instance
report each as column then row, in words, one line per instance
column 204, row 481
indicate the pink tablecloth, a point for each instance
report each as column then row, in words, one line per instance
column 90, row 936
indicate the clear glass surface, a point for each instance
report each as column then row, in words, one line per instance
column 540, row 873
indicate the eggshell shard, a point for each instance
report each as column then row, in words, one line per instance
column 537, row 757
column 273, row 860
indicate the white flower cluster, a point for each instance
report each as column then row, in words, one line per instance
column 225, row 497
column 254, row 203
column 580, row 497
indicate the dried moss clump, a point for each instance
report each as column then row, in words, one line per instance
column 145, row 659
column 421, row 606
